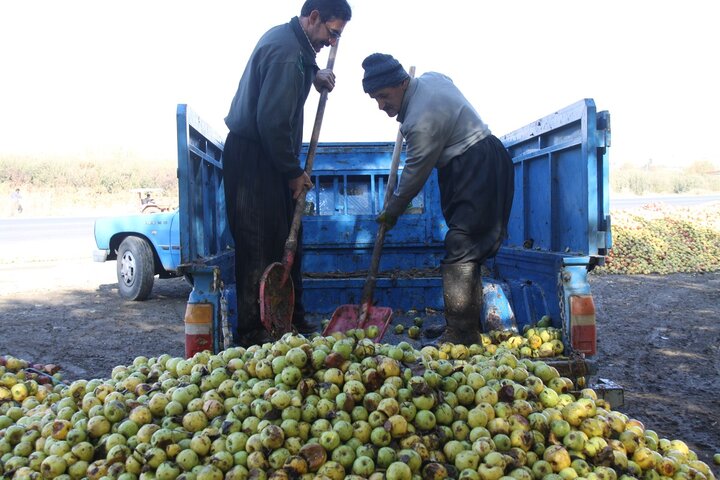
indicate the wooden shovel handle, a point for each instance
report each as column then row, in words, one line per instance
column 314, row 138
column 291, row 243
column 369, row 287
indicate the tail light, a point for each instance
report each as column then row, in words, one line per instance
column 582, row 324
column 198, row 328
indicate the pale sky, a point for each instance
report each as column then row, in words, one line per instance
column 102, row 77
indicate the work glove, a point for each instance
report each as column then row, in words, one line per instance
column 385, row 219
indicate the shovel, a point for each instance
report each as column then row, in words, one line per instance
column 277, row 292
column 366, row 314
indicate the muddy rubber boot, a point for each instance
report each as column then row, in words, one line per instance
column 304, row 327
column 257, row 336
column 462, row 293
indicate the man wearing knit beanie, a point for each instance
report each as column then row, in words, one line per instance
column 382, row 70
column 475, row 174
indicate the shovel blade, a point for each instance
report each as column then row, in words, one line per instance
column 347, row 317
column 277, row 300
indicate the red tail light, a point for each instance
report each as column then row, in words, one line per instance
column 198, row 328
column 582, row 324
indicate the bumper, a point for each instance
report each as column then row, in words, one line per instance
column 100, row 255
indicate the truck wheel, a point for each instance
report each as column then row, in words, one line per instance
column 135, row 269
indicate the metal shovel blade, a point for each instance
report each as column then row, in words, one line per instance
column 347, row 317
column 277, row 300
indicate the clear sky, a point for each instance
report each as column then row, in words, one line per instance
column 103, row 77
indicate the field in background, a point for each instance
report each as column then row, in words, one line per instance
column 698, row 177
column 92, row 186
column 76, row 187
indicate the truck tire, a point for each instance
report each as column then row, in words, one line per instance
column 135, row 269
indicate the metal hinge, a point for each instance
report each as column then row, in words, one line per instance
column 602, row 134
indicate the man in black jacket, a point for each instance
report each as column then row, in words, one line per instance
column 262, row 172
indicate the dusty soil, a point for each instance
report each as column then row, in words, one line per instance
column 70, row 313
column 659, row 336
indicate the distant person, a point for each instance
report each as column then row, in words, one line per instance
column 16, row 202
column 148, row 199
column 475, row 175
column 261, row 166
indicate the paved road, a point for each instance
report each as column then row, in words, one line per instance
column 36, row 239
column 675, row 200
column 31, row 239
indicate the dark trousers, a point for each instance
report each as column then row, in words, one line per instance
column 476, row 192
column 259, row 209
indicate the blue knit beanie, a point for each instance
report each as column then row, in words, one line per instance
column 382, row 70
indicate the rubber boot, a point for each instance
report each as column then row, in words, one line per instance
column 304, row 327
column 462, row 293
column 257, row 336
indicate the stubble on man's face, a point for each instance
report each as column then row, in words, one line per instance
column 389, row 99
column 324, row 34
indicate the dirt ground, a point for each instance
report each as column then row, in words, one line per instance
column 659, row 336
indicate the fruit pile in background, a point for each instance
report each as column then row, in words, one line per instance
column 661, row 240
column 539, row 340
column 330, row 408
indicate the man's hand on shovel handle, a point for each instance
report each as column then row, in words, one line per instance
column 297, row 184
column 388, row 220
column 324, row 79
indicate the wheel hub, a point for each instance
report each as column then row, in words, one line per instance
column 127, row 269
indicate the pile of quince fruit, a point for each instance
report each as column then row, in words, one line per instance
column 331, row 407
column 19, row 379
column 664, row 240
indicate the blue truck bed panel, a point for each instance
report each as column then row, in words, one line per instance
column 350, row 182
column 204, row 232
column 561, row 199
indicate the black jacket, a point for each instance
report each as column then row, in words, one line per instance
column 268, row 105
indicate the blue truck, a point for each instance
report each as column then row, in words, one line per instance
column 559, row 230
